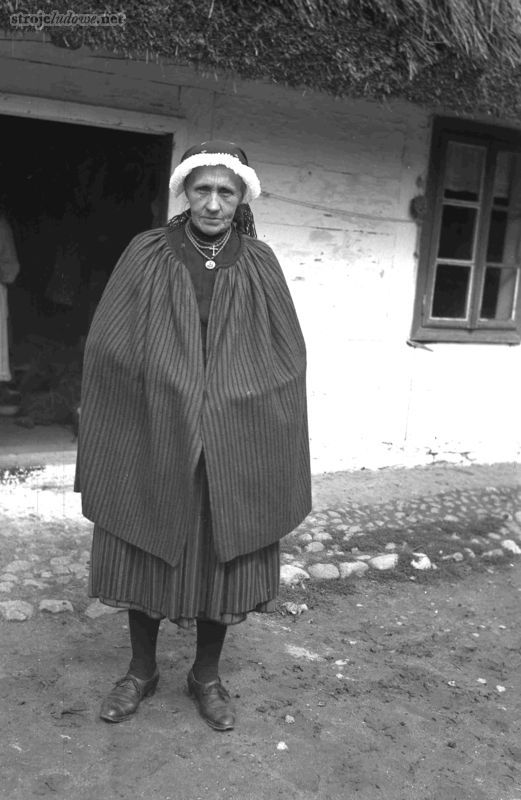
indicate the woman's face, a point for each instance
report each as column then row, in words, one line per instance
column 214, row 194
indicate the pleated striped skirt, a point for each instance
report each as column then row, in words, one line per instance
column 198, row 587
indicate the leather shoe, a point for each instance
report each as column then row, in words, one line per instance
column 214, row 702
column 123, row 700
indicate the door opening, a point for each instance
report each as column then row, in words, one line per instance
column 74, row 195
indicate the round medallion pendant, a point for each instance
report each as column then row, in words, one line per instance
column 210, row 264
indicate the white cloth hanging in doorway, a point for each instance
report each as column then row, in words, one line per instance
column 5, row 372
column 9, row 268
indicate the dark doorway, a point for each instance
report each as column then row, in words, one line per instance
column 75, row 195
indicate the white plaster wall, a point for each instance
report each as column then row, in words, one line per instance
column 338, row 176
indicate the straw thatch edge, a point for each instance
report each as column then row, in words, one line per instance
column 463, row 54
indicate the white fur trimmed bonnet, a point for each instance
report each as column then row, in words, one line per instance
column 213, row 154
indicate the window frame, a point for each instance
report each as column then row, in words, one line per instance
column 426, row 328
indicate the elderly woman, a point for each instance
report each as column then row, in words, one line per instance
column 194, row 452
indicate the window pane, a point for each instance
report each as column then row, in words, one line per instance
column 502, row 177
column 498, row 293
column 496, row 236
column 457, row 232
column 463, row 171
column 504, row 243
column 450, row 291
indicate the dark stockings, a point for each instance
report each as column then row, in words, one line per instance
column 143, row 638
column 210, row 640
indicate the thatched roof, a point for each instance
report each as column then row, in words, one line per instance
column 465, row 54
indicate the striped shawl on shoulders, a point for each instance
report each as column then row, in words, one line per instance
column 150, row 405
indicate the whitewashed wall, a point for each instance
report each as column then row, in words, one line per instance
column 347, row 171
column 338, row 176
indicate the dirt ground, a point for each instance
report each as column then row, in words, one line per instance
column 386, row 687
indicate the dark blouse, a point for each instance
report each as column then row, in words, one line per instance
column 203, row 279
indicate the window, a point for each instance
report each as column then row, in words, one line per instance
column 470, row 255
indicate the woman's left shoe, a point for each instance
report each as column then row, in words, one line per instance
column 214, row 702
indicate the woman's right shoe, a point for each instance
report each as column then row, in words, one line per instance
column 123, row 700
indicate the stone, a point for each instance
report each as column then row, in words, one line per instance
column 60, row 565
column 457, row 556
column 16, row 610
column 305, row 537
column 352, row 568
column 18, row 566
column 9, row 577
column 355, row 529
column 34, row 583
column 6, row 587
column 511, row 546
column 55, row 606
column 290, row 574
column 421, row 561
column 388, row 561
column 494, row 536
column 324, row 571
column 334, row 515
column 314, row 547
column 514, row 528
column 295, row 608
column 79, row 569
column 342, row 527
column 450, row 518
column 390, row 546
column 97, row 609
column 495, row 553
column 322, row 536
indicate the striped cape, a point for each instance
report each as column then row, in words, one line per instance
column 150, row 405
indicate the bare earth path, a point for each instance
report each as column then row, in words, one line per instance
column 397, row 685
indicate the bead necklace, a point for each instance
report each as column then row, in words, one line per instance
column 215, row 247
column 207, row 244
